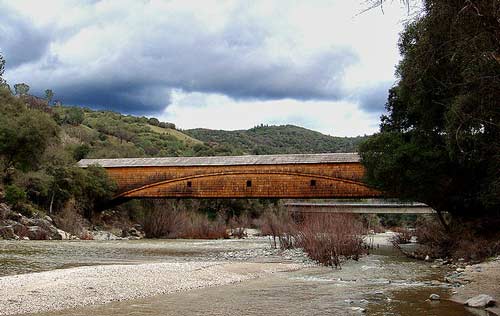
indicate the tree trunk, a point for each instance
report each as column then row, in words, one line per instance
column 51, row 202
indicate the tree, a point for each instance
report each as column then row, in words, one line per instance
column 3, row 83
column 21, row 88
column 49, row 94
column 24, row 133
column 440, row 141
column 92, row 188
column 154, row 121
column 2, row 65
column 74, row 116
column 2, row 69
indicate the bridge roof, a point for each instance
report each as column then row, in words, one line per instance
column 223, row 160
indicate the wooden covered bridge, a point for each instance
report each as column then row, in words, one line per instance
column 334, row 175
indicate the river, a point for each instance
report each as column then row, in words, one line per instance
column 382, row 283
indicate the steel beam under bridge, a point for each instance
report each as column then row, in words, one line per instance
column 360, row 208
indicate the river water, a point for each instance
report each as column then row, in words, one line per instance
column 382, row 283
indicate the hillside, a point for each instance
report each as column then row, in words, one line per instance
column 105, row 134
column 284, row 139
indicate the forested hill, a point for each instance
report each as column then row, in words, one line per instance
column 284, row 139
column 104, row 134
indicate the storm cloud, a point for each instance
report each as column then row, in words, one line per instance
column 20, row 40
column 130, row 56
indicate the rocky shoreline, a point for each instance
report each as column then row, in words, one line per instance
column 15, row 226
column 479, row 281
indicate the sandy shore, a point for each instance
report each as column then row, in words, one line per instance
column 83, row 286
column 484, row 279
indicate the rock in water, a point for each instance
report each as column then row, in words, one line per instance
column 480, row 301
column 358, row 309
column 434, row 297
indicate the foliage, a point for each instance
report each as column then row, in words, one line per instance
column 21, row 89
column 462, row 241
column 3, row 83
column 73, row 116
column 49, row 95
column 96, row 188
column 24, row 133
column 285, row 139
column 14, row 195
column 440, row 141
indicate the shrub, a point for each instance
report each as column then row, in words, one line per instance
column 331, row 238
column 238, row 225
column 401, row 236
column 70, row 220
column 280, row 226
column 15, row 195
column 462, row 240
column 168, row 219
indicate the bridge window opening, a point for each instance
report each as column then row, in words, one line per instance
column 249, row 183
column 313, row 183
column 189, row 184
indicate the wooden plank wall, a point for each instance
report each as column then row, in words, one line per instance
column 323, row 180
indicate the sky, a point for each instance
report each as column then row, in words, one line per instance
column 212, row 64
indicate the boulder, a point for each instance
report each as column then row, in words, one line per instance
column 51, row 231
column 4, row 210
column 132, row 233
column 63, row 235
column 434, row 297
column 7, row 232
column 103, row 235
column 36, row 233
column 480, row 301
column 20, row 229
column 15, row 216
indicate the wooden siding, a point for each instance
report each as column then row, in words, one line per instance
column 336, row 179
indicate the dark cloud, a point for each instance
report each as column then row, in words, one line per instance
column 20, row 41
column 131, row 98
column 373, row 99
column 178, row 52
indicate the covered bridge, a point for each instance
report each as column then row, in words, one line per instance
column 332, row 175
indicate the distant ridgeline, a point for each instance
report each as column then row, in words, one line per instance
column 105, row 134
column 284, row 139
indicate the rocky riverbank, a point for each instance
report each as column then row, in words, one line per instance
column 478, row 279
column 16, row 226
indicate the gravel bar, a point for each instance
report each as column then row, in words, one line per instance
column 91, row 285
